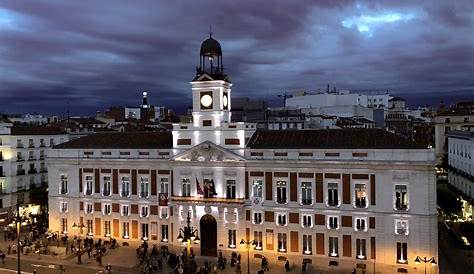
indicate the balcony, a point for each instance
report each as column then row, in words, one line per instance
column 41, row 157
column 106, row 192
column 43, row 170
column 32, row 158
column 125, row 193
column 20, row 159
column 361, row 203
column 333, row 202
column 31, row 145
column 144, row 194
column 19, row 146
column 88, row 191
column 42, row 145
column 200, row 200
column 20, row 172
column 306, row 202
column 63, row 191
column 32, row 171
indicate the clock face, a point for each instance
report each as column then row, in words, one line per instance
column 206, row 100
column 225, row 101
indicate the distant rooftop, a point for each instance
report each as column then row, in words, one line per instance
column 461, row 134
column 37, row 130
column 121, row 140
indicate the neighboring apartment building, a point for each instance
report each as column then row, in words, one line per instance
column 455, row 119
column 336, row 198
column 461, row 161
column 23, row 152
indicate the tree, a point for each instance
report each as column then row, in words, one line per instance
column 449, row 202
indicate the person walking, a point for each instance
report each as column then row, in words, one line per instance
column 287, row 266
column 2, row 257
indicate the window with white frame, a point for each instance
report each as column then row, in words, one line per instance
column 281, row 219
column 125, row 192
column 230, row 189
column 333, row 194
column 125, row 210
column 89, row 185
column 232, row 235
column 164, row 185
column 164, row 233
column 360, row 224
column 257, row 188
column 281, row 192
column 402, row 253
column 144, row 211
column 125, row 230
column 401, row 227
column 257, row 237
column 186, row 187
column 107, row 229
column 64, row 225
column 144, row 232
column 333, row 222
column 89, row 208
column 164, row 212
column 401, row 197
column 361, row 249
column 63, row 207
column 106, row 186
column 307, row 244
column 90, row 227
column 306, row 193
column 307, row 220
column 281, row 242
column 144, row 187
column 333, row 247
column 360, row 195
column 107, row 209
column 257, row 218
column 63, row 188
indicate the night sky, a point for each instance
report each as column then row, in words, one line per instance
column 87, row 55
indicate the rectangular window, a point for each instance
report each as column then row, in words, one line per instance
column 125, row 187
column 144, row 187
column 125, row 210
column 360, row 224
column 361, row 249
column 51, row 142
column 164, row 233
column 281, row 219
column 125, row 230
column 107, row 228
column 164, row 186
column 106, row 186
column 89, row 227
column 164, row 212
column 144, row 211
column 402, row 253
column 257, row 217
column 307, row 245
column 186, row 187
column 89, row 208
column 64, row 225
column 360, row 195
column 333, row 246
column 401, row 197
column 89, row 185
column 257, row 188
column 282, row 242
column 232, row 238
column 144, row 232
column 257, row 237
column 401, row 227
column 281, row 192
column 307, row 221
column 63, row 207
column 306, row 193
column 63, row 189
column 333, row 222
column 333, row 195
column 107, row 209
column 230, row 193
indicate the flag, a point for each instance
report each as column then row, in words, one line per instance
column 198, row 187
column 213, row 188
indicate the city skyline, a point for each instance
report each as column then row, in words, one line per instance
column 84, row 57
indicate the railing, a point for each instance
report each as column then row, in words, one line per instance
column 19, row 146
column 43, row 170
column 63, row 191
column 125, row 193
column 31, row 158
column 31, row 146
column 306, row 201
column 143, row 194
column 32, row 171
column 198, row 200
column 42, row 145
column 88, row 191
column 41, row 157
column 106, row 192
column 360, row 203
column 20, row 159
column 20, row 172
column 333, row 202
column 401, row 231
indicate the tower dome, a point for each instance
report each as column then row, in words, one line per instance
column 211, row 47
column 210, row 59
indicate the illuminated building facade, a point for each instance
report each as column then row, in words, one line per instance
column 339, row 199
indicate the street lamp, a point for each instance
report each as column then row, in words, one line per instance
column 186, row 235
column 419, row 260
column 247, row 245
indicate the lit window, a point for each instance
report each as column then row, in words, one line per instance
column 401, row 227
column 125, row 230
column 64, row 225
column 232, row 238
column 333, row 195
column 307, row 245
column 164, row 233
column 257, row 237
column 144, row 232
column 107, row 228
column 401, row 197
column 186, row 187
column 257, row 218
column 281, row 242
column 402, row 253
column 281, row 192
column 257, row 188
column 89, row 227
column 333, row 246
column 360, row 224
column 306, row 193
column 360, row 196
column 361, row 249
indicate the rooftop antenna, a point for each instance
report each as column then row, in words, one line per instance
column 284, row 96
column 210, row 31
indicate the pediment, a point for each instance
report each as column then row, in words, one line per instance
column 205, row 77
column 208, row 152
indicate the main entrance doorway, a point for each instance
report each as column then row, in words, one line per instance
column 208, row 230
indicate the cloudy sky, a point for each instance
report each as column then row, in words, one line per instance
column 87, row 55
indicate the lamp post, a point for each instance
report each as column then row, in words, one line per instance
column 431, row 260
column 247, row 245
column 186, row 235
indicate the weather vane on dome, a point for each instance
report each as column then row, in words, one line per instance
column 210, row 31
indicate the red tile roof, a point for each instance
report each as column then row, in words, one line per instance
column 350, row 138
column 124, row 140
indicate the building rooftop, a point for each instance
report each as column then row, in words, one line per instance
column 461, row 134
column 349, row 138
column 121, row 140
column 36, row 130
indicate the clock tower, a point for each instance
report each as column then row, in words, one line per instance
column 211, row 88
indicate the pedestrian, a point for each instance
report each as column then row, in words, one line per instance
column 2, row 256
column 354, row 271
column 287, row 266
column 303, row 267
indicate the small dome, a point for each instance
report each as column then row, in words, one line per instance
column 210, row 47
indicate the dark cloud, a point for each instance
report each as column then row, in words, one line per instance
column 86, row 55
